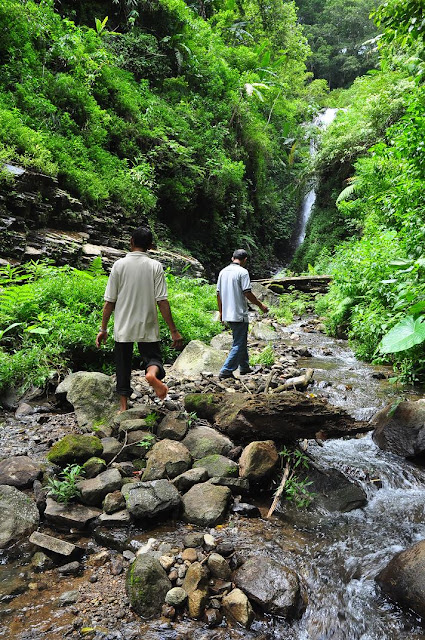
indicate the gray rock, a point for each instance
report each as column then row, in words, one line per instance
column 218, row 566
column 176, row 597
column 68, row 597
column 222, row 341
column 258, row 460
column 263, row 331
column 70, row 515
column 236, row 485
column 95, row 489
column 113, row 502
column 237, row 606
column 218, row 466
column 92, row 395
column 401, row 430
column 117, row 519
column 74, row 448
column 151, row 499
column 206, row 504
column 135, row 424
column 111, row 448
column 204, row 441
column 245, row 509
column 41, row 562
column 167, row 459
column 70, row 569
column 403, row 579
column 198, row 357
column 141, row 411
column 55, row 545
column 147, row 585
column 18, row 471
column 173, row 426
column 193, row 539
column 186, row 480
column 19, row 515
column 271, row 585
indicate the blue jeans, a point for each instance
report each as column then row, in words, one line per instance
column 238, row 356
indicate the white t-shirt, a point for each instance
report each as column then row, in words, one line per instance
column 136, row 283
column 232, row 281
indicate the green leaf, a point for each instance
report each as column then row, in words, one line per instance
column 419, row 307
column 405, row 335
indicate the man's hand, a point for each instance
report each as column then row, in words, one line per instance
column 177, row 340
column 263, row 307
column 102, row 336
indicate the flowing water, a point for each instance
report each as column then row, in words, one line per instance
column 337, row 555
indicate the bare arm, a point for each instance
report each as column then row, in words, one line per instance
column 252, row 298
column 102, row 336
column 220, row 307
column 164, row 307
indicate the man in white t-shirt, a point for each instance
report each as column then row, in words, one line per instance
column 136, row 287
column 233, row 291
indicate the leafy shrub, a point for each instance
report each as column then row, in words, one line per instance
column 265, row 357
column 66, row 489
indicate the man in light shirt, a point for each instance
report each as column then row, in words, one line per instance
column 136, row 287
column 233, row 291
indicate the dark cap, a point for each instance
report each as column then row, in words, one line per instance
column 239, row 254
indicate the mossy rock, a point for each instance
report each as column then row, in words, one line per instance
column 218, row 466
column 75, row 448
column 205, row 405
column 146, row 585
column 93, row 466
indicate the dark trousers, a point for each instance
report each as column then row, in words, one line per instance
column 150, row 353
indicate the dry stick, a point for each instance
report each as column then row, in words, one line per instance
column 217, row 384
column 121, row 450
column 244, row 386
column 280, row 490
column 268, row 381
column 295, row 383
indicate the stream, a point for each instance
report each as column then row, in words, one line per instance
column 336, row 554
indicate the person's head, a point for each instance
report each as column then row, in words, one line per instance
column 240, row 256
column 141, row 238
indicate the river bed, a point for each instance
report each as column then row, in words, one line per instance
column 337, row 554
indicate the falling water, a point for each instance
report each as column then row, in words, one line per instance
column 322, row 120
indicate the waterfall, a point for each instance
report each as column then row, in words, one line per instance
column 322, row 120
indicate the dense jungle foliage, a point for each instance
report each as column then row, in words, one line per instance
column 185, row 118
column 372, row 164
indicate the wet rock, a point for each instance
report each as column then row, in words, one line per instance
column 147, row 585
column 117, row 519
column 92, row 395
column 403, row 579
column 225, row 548
column 236, row 485
column 401, row 430
column 286, row 416
column 114, row 502
column 237, row 606
column 333, row 491
column 95, row 489
column 204, row 441
column 258, row 460
column 196, row 586
column 196, row 358
column 74, row 448
column 70, row 515
column 213, row 618
column 54, row 545
column 117, row 566
column 167, row 611
column 19, row 515
column 93, row 466
column 151, row 499
column 41, row 562
column 273, row 586
column 18, row 471
column 117, row 539
column 218, row 466
column 218, row 566
column 186, row 480
column 173, row 426
column 176, row 597
column 245, row 509
column 206, row 504
column 167, row 459
column 70, row 569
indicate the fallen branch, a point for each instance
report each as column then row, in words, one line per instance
column 300, row 382
column 279, row 490
column 268, row 381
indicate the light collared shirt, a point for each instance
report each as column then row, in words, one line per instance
column 232, row 282
column 136, row 283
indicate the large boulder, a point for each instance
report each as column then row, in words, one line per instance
column 273, row 586
column 95, row 489
column 206, row 504
column 403, row 579
column 218, row 466
column 92, row 395
column 19, row 471
column 147, row 585
column 70, row 516
column 286, row 416
column 19, row 515
column 167, row 459
column 75, row 448
column 401, row 430
column 258, row 460
column 147, row 500
column 198, row 357
column 205, row 441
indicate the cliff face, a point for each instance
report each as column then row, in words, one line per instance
column 38, row 220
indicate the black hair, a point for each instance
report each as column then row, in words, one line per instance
column 142, row 238
column 239, row 254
